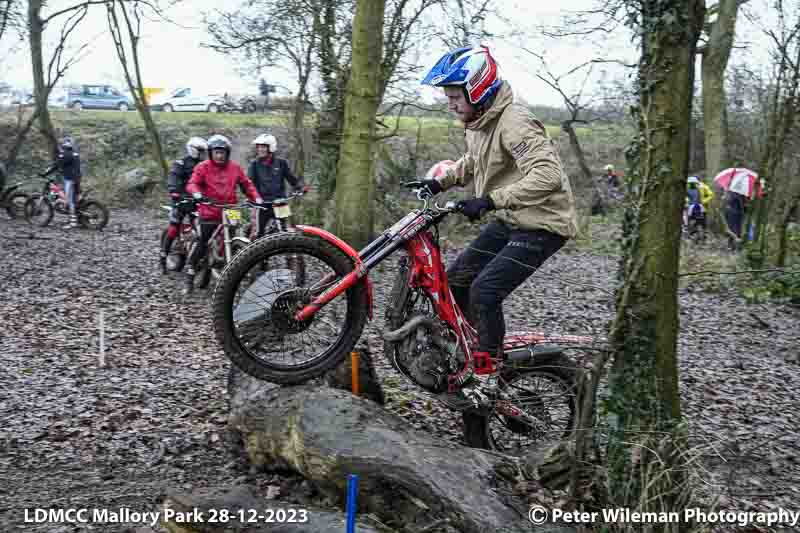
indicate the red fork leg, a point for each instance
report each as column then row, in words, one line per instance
column 311, row 308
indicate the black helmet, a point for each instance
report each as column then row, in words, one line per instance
column 67, row 144
column 216, row 142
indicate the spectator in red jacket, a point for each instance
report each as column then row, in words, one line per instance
column 215, row 179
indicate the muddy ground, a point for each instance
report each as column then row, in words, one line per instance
column 75, row 434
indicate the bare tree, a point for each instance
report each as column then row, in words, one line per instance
column 581, row 104
column 125, row 24
column 272, row 32
column 10, row 16
column 466, row 22
column 45, row 80
column 781, row 116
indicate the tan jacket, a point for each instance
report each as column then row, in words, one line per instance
column 513, row 161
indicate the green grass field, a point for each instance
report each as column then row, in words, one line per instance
column 228, row 120
column 433, row 129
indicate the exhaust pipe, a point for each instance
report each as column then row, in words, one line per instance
column 411, row 326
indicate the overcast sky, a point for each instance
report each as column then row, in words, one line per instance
column 172, row 55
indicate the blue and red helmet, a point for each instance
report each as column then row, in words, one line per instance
column 472, row 68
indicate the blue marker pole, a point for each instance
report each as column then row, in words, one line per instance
column 352, row 493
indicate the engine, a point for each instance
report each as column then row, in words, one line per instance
column 425, row 351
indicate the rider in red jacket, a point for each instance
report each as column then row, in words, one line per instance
column 216, row 179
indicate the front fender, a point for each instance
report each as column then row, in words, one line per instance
column 346, row 248
column 243, row 240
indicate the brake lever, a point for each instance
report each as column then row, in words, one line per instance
column 413, row 184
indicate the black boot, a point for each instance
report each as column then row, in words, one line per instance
column 162, row 260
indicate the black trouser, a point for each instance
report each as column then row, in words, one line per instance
column 207, row 228
column 498, row 261
column 734, row 218
column 264, row 216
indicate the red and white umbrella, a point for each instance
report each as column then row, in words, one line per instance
column 740, row 180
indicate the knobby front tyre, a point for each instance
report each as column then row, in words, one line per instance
column 254, row 308
column 39, row 211
column 92, row 215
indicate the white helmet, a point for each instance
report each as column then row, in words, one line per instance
column 194, row 146
column 268, row 140
column 692, row 179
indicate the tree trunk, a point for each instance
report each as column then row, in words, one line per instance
column 298, row 119
column 714, row 62
column 354, row 181
column 331, row 115
column 789, row 208
column 644, row 412
column 135, row 85
column 598, row 203
column 40, row 89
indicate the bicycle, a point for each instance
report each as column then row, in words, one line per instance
column 263, row 321
column 41, row 207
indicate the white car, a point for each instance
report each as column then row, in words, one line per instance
column 183, row 99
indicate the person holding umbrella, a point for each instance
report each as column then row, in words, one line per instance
column 740, row 185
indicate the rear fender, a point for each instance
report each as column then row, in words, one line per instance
column 347, row 249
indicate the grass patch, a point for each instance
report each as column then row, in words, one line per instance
column 89, row 118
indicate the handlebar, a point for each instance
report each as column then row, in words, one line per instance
column 417, row 185
column 242, row 205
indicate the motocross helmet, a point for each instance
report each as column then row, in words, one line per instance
column 269, row 140
column 474, row 69
column 196, row 147
column 216, row 142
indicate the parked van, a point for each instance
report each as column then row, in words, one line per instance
column 97, row 97
column 183, row 99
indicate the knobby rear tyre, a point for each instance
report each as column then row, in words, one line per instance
column 477, row 430
column 254, row 255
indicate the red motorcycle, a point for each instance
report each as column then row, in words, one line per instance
column 40, row 208
column 277, row 330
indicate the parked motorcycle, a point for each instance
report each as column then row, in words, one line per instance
column 41, row 207
column 12, row 199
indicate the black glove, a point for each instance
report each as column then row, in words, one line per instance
column 475, row 208
column 433, row 186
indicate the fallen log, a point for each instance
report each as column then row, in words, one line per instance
column 407, row 478
column 237, row 509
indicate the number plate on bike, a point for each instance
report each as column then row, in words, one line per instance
column 233, row 215
column 282, row 211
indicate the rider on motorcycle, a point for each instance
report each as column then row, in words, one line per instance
column 179, row 175
column 517, row 175
column 268, row 173
column 215, row 179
